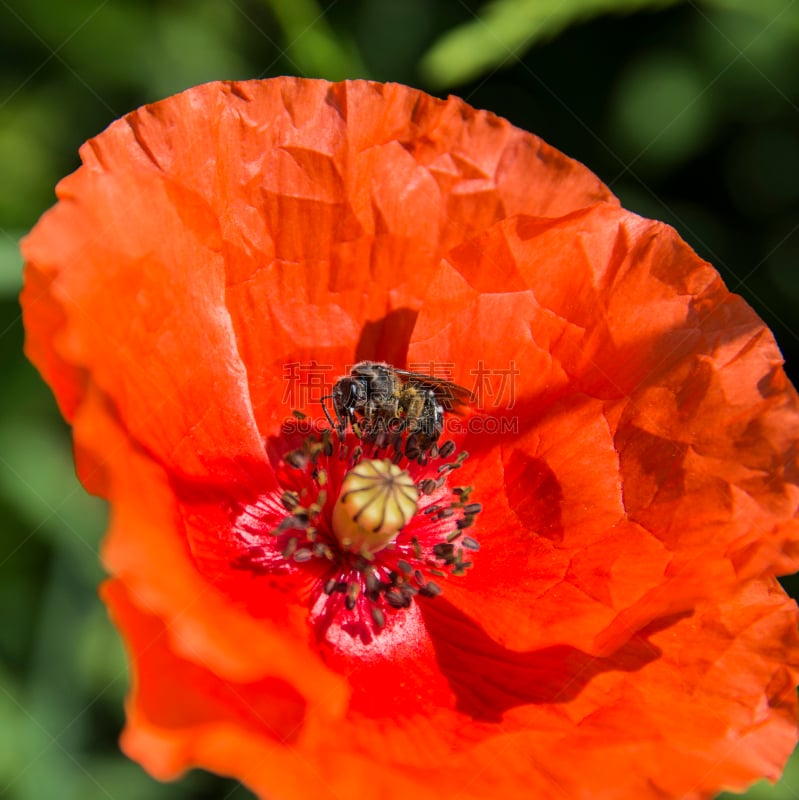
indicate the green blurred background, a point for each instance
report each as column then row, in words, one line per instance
column 688, row 110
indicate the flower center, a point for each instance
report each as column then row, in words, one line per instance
column 372, row 532
column 377, row 500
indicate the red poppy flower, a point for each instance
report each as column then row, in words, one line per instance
column 584, row 607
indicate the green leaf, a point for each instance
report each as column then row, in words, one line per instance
column 506, row 28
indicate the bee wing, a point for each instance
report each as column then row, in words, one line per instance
column 453, row 396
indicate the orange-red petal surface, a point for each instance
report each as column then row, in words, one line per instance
column 633, row 451
column 680, row 711
column 655, row 451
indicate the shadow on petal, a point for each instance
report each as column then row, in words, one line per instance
column 387, row 338
column 488, row 679
column 535, row 494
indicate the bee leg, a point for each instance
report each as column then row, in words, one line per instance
column 432, row 420
column 349, row 419
column 327, row 413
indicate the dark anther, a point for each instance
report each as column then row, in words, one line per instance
column 443, row 550
column 297, row 459
column 290, row 547
column 372, row 581
column 412, row 449
column 289, row 523
column 395, row 598
column 447, row 449
column 428, row 486
column 431, row 589
column 378, row 617
column 290, row 500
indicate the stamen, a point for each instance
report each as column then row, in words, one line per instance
column 367, row 521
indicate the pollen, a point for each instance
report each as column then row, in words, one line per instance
column 377, row 500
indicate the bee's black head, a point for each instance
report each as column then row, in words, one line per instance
column 349, row 393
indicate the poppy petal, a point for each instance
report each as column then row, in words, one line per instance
column 172, row 206
column 656, row 429
column 202, row 623
column 144, row 315
column 696, row 727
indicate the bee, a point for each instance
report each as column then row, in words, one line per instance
column 378, row 400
